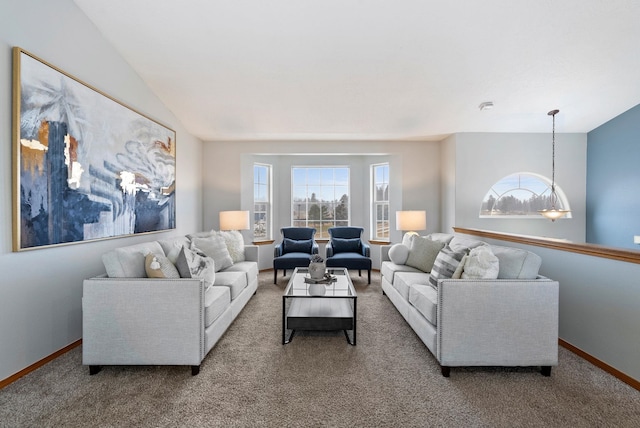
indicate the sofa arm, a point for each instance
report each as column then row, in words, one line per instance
column 497, row 322
column 384, row 253
column 142, row 321
column 251, row 253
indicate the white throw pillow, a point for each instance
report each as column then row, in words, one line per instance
column 214, row 247
column 235, row 244
column 423, row 253
column 481, row 263
column 398, row 254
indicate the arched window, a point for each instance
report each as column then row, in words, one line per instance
column 521, row 195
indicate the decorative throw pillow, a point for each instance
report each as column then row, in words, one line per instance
column 481, row 264
column 192, row 263
column 297, row 246
column 445, row 265
column 345, row 245
column 423, row 252
column 214, row 247
column 235, row 244
column 398, row 254
column 160, row 267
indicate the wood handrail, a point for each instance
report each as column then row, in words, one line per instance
column 630, row 256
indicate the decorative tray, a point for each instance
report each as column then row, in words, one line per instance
column 328, row 279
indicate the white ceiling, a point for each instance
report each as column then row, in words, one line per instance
column 379, row 69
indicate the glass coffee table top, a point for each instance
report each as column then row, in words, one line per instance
column 308, row 306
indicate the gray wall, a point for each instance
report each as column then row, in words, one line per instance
column 41, row 290
column 414, row 169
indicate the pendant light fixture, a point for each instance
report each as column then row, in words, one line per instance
column 553, row 213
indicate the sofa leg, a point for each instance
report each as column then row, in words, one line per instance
column 446, row 371
column 94, row 370
column 545, row 371
column 195, row 370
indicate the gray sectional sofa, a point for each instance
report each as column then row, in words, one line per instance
column 201, row 283
column 466, row 320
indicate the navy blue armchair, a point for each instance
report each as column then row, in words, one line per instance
column 347, row 249
column 295, row 250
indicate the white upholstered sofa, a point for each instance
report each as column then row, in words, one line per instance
column 511, row 320
column 174, row 318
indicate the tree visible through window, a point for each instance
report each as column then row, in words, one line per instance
column 521, row 195
column 261, row 202
column 320, row 198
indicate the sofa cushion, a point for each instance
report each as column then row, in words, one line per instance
column 423, row 252
column 388, row 269
column 214, row 247
column 425, row 299
column 459, row 243
column 345, row 245
column 516, row 262
column 216, row 301
column 236, row 281
column 160, row 267
column 172, row 246
column 249, row 268
column 297, row 246
column 235, row 244
column 481, row 263
column 398, row 254
column 128, row 262
column 445, row 265
column 192, row 263
column 404, row 280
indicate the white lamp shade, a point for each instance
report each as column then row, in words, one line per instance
column 411, row 220
column 234, row 220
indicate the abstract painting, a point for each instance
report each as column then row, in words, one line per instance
column 85, row 166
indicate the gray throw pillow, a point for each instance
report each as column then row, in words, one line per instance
column 423, row 253
column 445, row 265
column 398, row 254
column 214, row 247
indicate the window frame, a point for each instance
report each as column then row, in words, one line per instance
column 376, row 203
column 268, row 211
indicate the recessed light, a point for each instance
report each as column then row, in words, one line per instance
column 487, row 105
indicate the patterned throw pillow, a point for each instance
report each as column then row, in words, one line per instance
column 192, row 263
column 160, row 267
column 445, row 265
column 214, row 247
column 423, row 252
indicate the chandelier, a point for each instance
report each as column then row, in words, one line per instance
column 553, row 213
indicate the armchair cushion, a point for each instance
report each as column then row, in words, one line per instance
column 346, row 245
column 297, row 246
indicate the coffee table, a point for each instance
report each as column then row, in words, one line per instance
column 335, row 310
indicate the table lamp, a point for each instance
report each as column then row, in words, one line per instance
column 411, row 221
column 234, row 220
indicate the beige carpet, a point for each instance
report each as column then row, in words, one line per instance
column 250, row 379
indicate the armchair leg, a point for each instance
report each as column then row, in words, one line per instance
column 369, row 276
column 545, row 371
column 275, row 276
column 359, row 272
